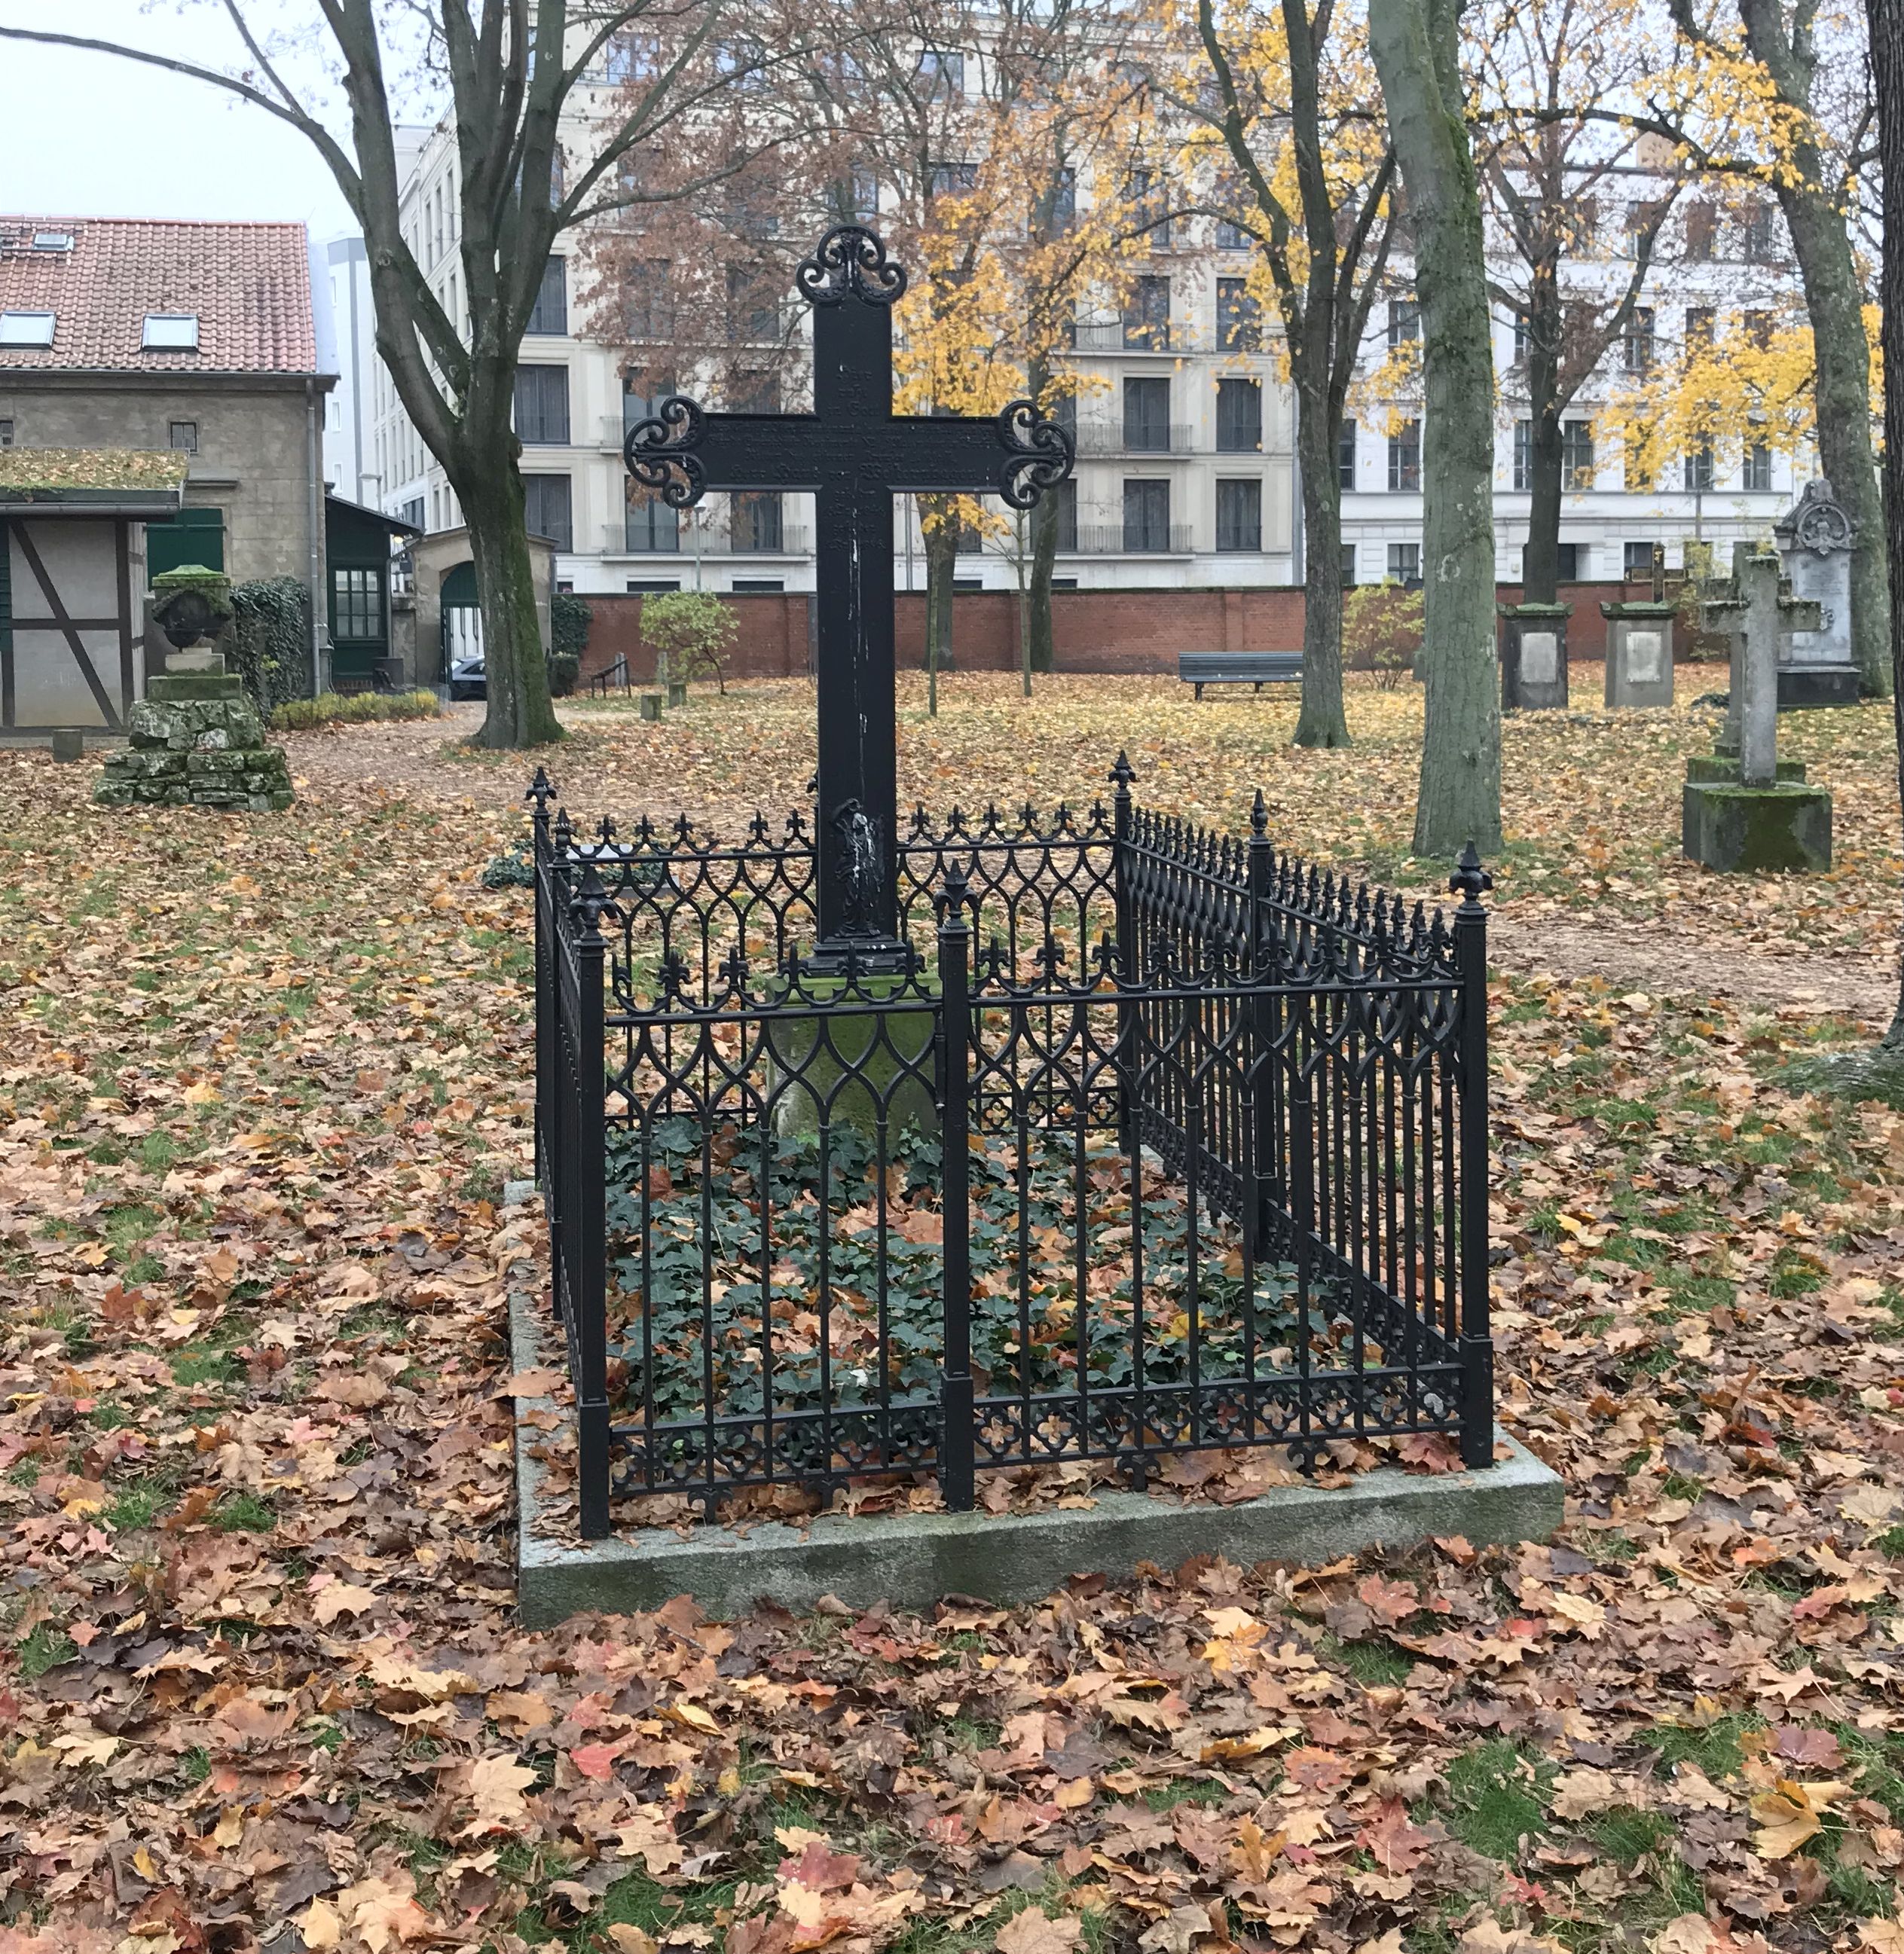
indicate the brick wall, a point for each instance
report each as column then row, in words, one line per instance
column 1093, row 630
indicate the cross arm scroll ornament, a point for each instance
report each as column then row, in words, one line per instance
column 659, row 452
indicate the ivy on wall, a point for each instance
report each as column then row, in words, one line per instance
column 270, row 640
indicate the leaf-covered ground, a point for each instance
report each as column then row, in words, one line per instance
column 263, row 1079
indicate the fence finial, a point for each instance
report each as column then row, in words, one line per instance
column 1260, row 815
column 1469, row 881
column 1123, row 773
column 542, row 791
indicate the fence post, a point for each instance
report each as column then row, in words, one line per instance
column 1121, row 776
column 1469, row 880
column 542, row 791
column 957, row 1438
column 588, row 1245
column 1261, row 869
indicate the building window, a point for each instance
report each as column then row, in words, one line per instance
column 1065, row 497
column 26, row 328
column 357, row 604
column 1640, row 340
column 950, row 179
column 754, row 523
column 1637, row 562
column 1147, row 515
column 1232, row 236
column 631, row 57
column 1576, row 454
column 549, row 316
column 170, row 332
column 1700, row 322
column 183, row 437
column 547, row 509
column 6, row 434
column 753, row 312
column 941, row 73
column 755, row 393
column 1239, row 319
column 1405, row 457
column 1348, row 566
column 648, row 304
column 1403, row 322
column 1064, row 201
column 1146, row 415
column 758, row 586
column 1523, row 454
column 1702, row 230
column 1150, row 207
column 1758, row 236
column 1520, row 334
column 1758, row 470
column 650, row 527
column 1566, row 563
column 1146, row 319
column 1758, row 330
column 1239, row 416
column 412, row 512
column 542, row 407
column 639, row 405
column 1239, row 515
column 1698, row 468
column 1345, row 456
column 652, row 586
column 1639, row 469
column 1404, row 564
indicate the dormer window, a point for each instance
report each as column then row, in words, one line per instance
column 26, row 328
column 170, row 332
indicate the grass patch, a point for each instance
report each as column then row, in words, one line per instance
column 1716, row 1748
column 47, row 1647
column 1498, row 1793
column 244, row 1513
column 1178, row 1791
column 206, row 1367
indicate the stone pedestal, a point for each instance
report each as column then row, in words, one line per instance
column 1736, row 829
column 858, row 1063
column 1534, row 656
column 651, row 705
column 1639, row 653
column 196, row 740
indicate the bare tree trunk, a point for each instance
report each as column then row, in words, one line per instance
column 941, row 564
column 1834, row 303
column 515, row 660
column 1887, row 64
column 1044, row 559
column 1541, row 570
column 1321, row 721
column 1416, row 47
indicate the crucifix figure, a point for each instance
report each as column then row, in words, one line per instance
column 854, row 454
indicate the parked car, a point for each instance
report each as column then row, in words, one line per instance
column 467, row 679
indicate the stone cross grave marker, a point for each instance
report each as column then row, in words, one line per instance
column 854, row 454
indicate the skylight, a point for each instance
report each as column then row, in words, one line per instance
column 171, row 332
column 26, row 328
column 53, row 240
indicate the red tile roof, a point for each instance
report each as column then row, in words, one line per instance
column 249, row 284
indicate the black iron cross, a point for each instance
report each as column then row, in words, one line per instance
column 853, row 453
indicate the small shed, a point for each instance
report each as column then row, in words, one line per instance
column 72, row 577
column 448, row 624
column 358, row 544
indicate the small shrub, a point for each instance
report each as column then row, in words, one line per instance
column 565, row 669
column 569, row 618
column 332, row 708
column 693, row 627
column 1381, row 631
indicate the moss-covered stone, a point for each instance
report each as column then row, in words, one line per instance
column 196, row 740
column 1724, row 769
column 1742, row 830
column 858, row 1062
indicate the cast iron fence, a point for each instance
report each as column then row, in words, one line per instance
column 1154, row 1142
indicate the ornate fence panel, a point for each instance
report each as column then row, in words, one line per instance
column 1148, row 1143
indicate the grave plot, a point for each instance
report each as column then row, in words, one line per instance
column 1140, row 1143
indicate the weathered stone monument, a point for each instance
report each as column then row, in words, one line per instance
column 196, row 739
column 1534, row 656
column 1744, row 809
column 1814, row 540
column 1639, row 644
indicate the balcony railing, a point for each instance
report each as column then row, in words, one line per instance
column 641, row 539
column 1117, row 335
column 1133, row 539
column 1117, row 437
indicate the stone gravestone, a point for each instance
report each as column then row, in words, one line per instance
column 1639, row 644
column 1744, row 809
column 1814, row 539
column 1534, row 656
column 196, row 739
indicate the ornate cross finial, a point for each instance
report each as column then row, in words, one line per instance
column 850, row 259
column 1123, row 773
column 1259, row 814
column 542, row 791
column 1469, row 881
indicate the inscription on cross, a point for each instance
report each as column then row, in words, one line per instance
column 853, row 453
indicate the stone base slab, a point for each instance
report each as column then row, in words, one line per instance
column 910, row 1560
column 1724, row 769
column 1801, row 685
column 1740, row 830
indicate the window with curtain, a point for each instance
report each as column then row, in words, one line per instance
column 1239, row 515
column 547, row 509
column 542, row 405
column 1405, row 457
column 549, row 317
column 1239, row 416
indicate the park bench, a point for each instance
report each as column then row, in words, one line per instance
column 1251, row 668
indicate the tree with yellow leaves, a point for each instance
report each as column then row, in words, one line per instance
column 1278, row 140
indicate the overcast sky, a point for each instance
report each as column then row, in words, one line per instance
column 87, row 135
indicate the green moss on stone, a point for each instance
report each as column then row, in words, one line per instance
column 1723, row 769
column 1743, row 830
column 858, row 1062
